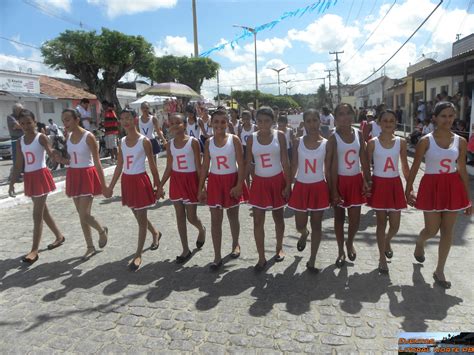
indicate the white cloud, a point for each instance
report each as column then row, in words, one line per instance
column 17, row 46
column 116, row 8
column 32, row 64
column 269, row 45
column 175, row 45
column 325, row 34
column 64, row 5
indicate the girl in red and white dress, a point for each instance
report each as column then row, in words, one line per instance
column 387, row 197
column 182, row 168
column 444, row 188
column 84, row 177
column 38, row 182
column 137, row 190
column 271, row 183
column 226, row 187
column 310, row 195
column 348, row 185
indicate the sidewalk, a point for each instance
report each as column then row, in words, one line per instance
column 62, row 304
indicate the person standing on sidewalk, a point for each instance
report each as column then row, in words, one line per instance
column 15, row 131
column 148, row 125
column 111, row 126
column 444, row 188
column 31, row 150
column 84, row 112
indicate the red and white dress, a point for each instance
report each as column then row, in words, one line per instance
column 269, row 180
column 137, row 190
column 387, row 188
column 350, row 181
column 184, row 178
column 441, row 187
column 81, row 177
column 37, row 179
column 311, row 191
column 223, row 176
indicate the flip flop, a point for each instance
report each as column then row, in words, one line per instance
column 389, row 254
column 134, row 267
column 279, row 259
column 442, row 283
column 340, row 261
column 103, row 241
column 56, row 245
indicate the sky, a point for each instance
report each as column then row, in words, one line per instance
column 368, row 31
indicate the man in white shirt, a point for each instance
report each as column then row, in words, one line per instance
column 86, row 117
column 327, row 122
column 52, row 128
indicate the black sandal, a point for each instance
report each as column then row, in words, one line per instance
column 260, row 268
column 154, row 246
column 30, row 261
column 56, row 245
column 442, row 283
column 199, row 243
column 389, row 254
column 103, row 242
column 134, row 267
column 215, row 266
column 419, row 258
column 302, row 243
column 311, row 268
column 182, row 259
column 340, row 261
column 351, row 255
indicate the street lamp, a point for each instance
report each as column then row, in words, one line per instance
column 278, row 72
column 252, row 30
column 286, row 84
column 289, row 88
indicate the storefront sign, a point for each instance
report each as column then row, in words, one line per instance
column 19, row 83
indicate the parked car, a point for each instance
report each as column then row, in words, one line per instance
column 6, row 149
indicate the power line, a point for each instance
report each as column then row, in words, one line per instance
column 461, row 26
column 436, row 26
column 404, row 43
column 261, row 84
column 17, row 42
column 349, row 14
column 49, row 12
column 24, row 59
column 371, row 33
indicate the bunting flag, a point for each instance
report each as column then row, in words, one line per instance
column 318, row 6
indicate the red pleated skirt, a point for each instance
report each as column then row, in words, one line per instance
column 351, row 190
column 309, row 197
column 442, row 192
column 82, row 182
column 266, row 192
column 137, row 191
column 38, row 183
column 184, row 187
column 387, row 194
column 218, row 191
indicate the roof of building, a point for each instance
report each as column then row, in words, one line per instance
column 448, row 67
column 62, row 90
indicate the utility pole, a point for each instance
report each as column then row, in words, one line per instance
column 218, row 93
column 196, row 50
column 337, row 75
column 329, row 75
column 286, row 85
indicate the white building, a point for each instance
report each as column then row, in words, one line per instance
column 374, row 93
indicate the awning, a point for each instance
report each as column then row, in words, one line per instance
column 25, row 95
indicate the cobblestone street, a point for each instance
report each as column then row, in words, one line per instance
column 64, row 304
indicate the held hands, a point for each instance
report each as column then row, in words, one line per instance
column 107, row 192
column 411, row 197
column 367, row 188
column 286, row 192
column 336, row 199
column 159, row 192
column 202, row 196
column 236, row 191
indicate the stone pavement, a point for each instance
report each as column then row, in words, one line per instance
column 62, row 304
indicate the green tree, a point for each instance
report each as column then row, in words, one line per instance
column 245, row 97
column 322, row 97
column 98, row 60
column 184, row 70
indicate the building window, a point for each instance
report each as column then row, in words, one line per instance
column 66, row 105
column 445, row 88
column 401, row 100
column 433, row 94
column 48, row 106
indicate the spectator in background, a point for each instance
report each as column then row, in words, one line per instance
column 41, row 127
column 470, row 149
column 111, row 127
column 53, row 129
column 428, row 127
column 327, row 122
column 399, row 114
column 416, row 134
column 84, row 112
column 15, row 130
column 421, row 110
